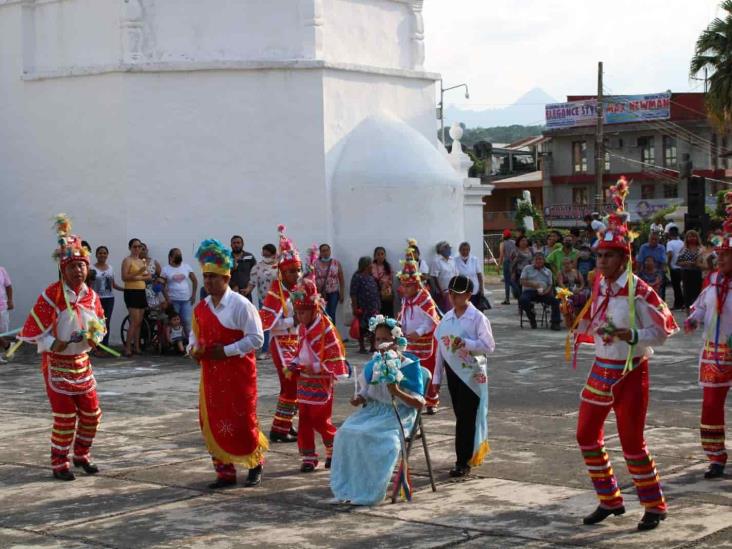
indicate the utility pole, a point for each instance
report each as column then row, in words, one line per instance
column 442, row 106
column 599, row 144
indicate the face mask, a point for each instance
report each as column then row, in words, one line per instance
column 268, row 260
column 446, row 252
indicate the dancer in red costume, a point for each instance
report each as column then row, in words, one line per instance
column 225, row 337
column 624, row 319
column 419, row 319
column 66, row 323
column 713, row 308
column 277, row 316
column 320, row 361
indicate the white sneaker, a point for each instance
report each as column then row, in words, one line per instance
column 3, row 360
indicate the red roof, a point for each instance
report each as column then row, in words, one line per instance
column 684, row 106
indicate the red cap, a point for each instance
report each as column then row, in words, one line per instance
column 506, row 233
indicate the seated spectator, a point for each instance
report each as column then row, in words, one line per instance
column 585, row 262
column 657, row 251
column 572, row 280
column 537, row 285
column 176, row 335
column 650, row 274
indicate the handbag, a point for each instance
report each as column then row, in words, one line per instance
column 354, row 331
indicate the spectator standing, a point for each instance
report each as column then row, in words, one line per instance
column 262, row 276
column 506, row 250
column 382, row 272
column 154, row 286
column 653, row 248
column 537, row 283
column 329, row 280
column 553, row 242
column 181, row 284
column 673, row 247
column 556, row 258
column 244, row 262
column 104, row 284
column 6, row 305
column 469, row 266
column 365, row 301
column 690, row 261
column 135, row 275
column 442, row 271
column 522, row 257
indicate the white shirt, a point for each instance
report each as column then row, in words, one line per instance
column 649, row 333
column 177, row 281
column 414, row 319
column 236, row 312
column 469, row 267
column 478, row 338
column 674, row 246
column 67, row 326
column 424, row 268
column 443, row 269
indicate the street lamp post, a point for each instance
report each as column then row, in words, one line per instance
column 442, row 106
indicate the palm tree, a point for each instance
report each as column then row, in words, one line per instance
column 714, row 52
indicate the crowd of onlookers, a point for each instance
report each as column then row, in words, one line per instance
column 533, row 269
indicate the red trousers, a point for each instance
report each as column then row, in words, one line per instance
column 630, row 404
column 282, row 349
column 712, row 424
column 315, row 418
column 75, row 419
column 432, row 398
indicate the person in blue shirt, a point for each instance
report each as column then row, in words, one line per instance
column 653, row 248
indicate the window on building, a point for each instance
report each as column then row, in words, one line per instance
column 607, row 161
column 648, row 151
column 670, row 159
column 670, row 190
column 648, row 191
column 579, row 156
column 580, row 196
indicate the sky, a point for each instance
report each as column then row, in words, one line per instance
column 504, row 48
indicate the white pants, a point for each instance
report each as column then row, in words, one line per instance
column 4, row 321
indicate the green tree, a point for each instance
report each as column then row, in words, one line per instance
column 713, row 52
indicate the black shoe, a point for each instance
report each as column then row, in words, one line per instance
column 89, row 467
column 532, row 320
column 459, row 471
column 293, row 431
column 650, row 520
column 507, row 302
column 279, row 437
column 716, row 470
column 555, row 326
column 254, row 478
column 307, row 468
column 328, row 462
column 64, row 474
column 600, row 514
column 222, row 483
column 430, row 411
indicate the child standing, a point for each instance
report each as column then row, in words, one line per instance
column 650, row 274
column 464, row 337
column 319, row 361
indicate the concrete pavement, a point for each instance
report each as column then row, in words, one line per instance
column 531, row 492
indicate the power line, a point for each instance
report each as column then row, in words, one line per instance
column 634, row 161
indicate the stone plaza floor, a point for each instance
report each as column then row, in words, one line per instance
column 531, row 492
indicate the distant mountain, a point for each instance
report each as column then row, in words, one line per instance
column 528, row 110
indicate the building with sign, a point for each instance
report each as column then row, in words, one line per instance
column 646, row 137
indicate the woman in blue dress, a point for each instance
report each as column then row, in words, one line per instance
column 367, row 445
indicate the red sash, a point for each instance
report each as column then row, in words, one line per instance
column 228, row 396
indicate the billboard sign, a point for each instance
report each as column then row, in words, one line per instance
column 618, row 109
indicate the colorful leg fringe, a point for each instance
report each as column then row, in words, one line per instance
column 642, row 468
column 602, row 476
column 85, row 433
column 285, row 411
column 712, row 439
column 62, row 435
column 224, row 471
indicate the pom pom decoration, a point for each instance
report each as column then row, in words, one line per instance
column 387, row 368
column 69, row 245
column 214, row 257
column 287, row 255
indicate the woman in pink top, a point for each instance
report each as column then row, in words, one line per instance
column 329, row 280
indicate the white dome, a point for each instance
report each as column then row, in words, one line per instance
column 386, row 151
column 390, row 184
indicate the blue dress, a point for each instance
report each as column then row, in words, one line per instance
column 367, row 445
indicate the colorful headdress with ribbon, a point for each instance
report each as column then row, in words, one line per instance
column 410, row 273
column 69, row 245
column 615, row 234
column 726, row 242
column 305, row 296
column 287, row 256
column 214, row 257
